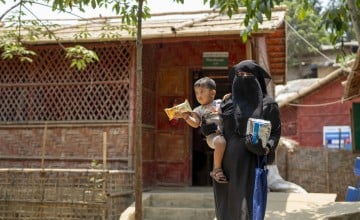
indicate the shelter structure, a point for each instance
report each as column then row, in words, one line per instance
column 323, row 112
column 76, row 108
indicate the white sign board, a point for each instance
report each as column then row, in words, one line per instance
column 337, row 137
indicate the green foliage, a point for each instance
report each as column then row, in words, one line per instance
column 110, row 32
column 337, row 20
column 306, row 21
column 313, row 23
column 80, row 56
column 96, row 179
column 255, row 12
column 343, row 60
column 303, row 15
column 84, row 34
column 14, row 49
column 28, row 29
column 20, row 29
column 125, row 8
column 129, row 11
column 11, row 40
column 96, row 165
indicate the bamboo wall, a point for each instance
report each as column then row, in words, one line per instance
column 58, row 126
column 48, row 89
column 64, row 193
column 63, row 146
column 319, row 170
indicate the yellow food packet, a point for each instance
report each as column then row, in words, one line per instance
column 183, row 107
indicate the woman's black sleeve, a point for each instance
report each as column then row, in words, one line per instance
column 272, row 113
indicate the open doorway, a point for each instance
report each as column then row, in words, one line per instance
column 202, row 155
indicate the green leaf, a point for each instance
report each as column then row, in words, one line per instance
column 244, row 37
column 80, row 57
column 93, row 3
column 259, row 16
column 26, row 59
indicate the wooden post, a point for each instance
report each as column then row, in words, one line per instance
column 327, row 169
column 104, row 150
column 104, row 175
column 43, row 146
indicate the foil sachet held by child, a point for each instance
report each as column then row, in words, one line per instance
column 259, row 128
column 183, row 107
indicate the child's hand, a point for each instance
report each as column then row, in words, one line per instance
column 182, row 115
column 177, row 115
column 226, row 96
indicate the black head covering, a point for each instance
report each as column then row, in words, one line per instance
column 250, row 66
column 247, row 99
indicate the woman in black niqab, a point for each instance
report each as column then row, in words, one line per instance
column 233, row 201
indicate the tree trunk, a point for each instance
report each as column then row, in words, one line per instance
column 138, row 119
column 355, row 17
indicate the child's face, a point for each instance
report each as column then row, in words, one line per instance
column 204, row 95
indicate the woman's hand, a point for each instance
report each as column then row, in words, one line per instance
column 207, row 128
column 257, row 147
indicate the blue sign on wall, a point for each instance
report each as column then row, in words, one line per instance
column 337, row 137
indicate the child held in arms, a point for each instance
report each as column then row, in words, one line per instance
column 208, row 112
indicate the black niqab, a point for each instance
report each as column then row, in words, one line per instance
column 250, row 66
column 247, row 98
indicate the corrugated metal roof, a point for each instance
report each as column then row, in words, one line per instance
column 187, row 24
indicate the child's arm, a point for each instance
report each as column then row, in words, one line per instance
column 191, row 118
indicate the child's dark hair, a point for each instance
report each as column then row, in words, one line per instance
column 205, row 82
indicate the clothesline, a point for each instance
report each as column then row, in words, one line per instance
column 324, row 104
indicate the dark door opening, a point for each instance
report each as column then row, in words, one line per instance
column 202, row 154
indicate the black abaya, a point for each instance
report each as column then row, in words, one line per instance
column 234, row 200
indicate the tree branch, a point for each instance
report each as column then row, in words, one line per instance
column 10, row 9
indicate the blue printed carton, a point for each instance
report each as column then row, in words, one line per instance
column 259, row 128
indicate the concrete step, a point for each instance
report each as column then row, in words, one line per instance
column 294, row 206
column 186, row 200
column 177, row 213
column 179, row 205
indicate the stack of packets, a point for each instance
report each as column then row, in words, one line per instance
column 259, row 128
column 183, row 107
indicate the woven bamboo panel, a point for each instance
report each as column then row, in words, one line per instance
column 55, row 211
column 49, row 90
column 318, row 170
column 64, row 194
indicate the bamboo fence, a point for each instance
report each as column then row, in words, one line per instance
column 43, row 193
